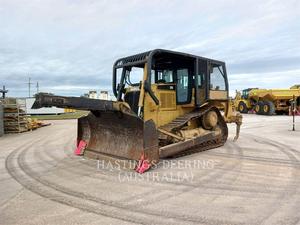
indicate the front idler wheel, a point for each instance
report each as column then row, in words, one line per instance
column 210, row 120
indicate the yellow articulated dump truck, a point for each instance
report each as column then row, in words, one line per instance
column 167, row 104
column 266, row 101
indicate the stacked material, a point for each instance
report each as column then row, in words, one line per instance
column 32, row 124
column 35, row 123
column 15, row 119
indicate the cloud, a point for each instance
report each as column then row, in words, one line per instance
column 70, row 46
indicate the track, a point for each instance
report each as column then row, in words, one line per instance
column 252, row 181
column 213, row 142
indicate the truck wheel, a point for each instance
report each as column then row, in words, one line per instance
column 242, row 107
column 258, row 108
column 268, row 108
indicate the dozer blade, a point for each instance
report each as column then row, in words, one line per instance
column 109, row 129
column 118, row 135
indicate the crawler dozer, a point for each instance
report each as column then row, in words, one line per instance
column 167, row 104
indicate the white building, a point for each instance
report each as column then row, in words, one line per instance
column 45, row 110
column 93, row 94
column 103, row 95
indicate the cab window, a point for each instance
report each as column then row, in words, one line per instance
column 182, row 85
column 245, row 94
column 164, row 76
column 217, row 78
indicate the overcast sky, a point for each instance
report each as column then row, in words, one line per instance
column 69, row 46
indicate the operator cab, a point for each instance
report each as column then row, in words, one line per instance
column 245, row 92
column 171, row 79
column 174, row 73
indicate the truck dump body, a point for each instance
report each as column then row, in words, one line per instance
column 275, row 94
column 267, row 101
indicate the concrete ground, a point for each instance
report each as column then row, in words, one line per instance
column 255, row 180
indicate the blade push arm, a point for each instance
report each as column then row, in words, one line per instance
column 80, row 103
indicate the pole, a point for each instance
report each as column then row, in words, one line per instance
column 29, row 87
column 37, row 87
column 294, row 112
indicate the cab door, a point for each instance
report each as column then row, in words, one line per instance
column 200, row 81
column 183, row 86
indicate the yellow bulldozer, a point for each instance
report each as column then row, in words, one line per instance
column 167, row 104
column 267, row 101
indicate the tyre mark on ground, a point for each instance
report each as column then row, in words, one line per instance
column 211, row 177
column 290, row 190
column 83, row 196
